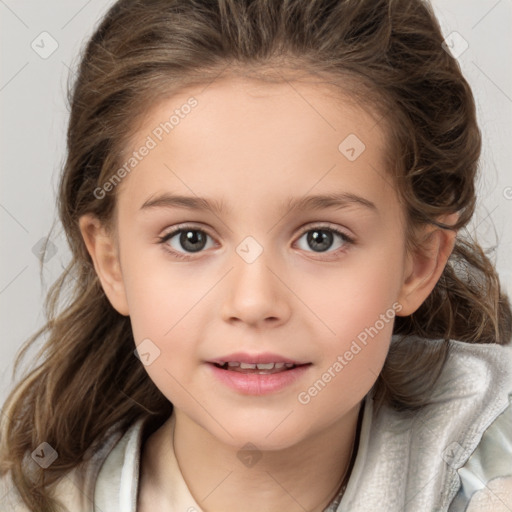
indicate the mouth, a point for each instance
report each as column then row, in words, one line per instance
column 258, row 368
column 258, row 374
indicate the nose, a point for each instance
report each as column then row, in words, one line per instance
column 255, row 295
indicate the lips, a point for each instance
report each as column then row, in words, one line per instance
column 258, row 378
column 260, row 368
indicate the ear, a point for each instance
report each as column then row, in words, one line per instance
column 426, row 264
column 104, row 253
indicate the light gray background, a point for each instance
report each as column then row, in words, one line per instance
column 33, row 124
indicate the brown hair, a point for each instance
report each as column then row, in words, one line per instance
column 388, row 52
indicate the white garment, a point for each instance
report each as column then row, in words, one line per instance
column 454, row 455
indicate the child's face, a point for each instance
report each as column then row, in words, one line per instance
column 258, row 283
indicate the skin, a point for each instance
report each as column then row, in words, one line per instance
column 252, row 146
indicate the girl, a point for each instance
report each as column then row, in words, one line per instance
column 274, row 304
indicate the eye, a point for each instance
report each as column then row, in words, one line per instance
column 185, row 240
column 322, row 238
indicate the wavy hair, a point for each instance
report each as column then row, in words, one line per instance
column 385, row 53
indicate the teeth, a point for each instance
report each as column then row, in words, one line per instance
column 254, row 366
column 265, row 366
column 247, row 366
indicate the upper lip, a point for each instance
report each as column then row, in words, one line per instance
column 266, row 357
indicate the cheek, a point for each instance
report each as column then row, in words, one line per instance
column 151, row 306
column 351, row 360
column 357, row 306
column 354, row 296
column 164, row 322
column 166, row 311
column 159, row 293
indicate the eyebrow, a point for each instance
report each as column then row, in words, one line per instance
column 314, row 202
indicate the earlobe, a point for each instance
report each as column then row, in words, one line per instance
column 103, row 250
column 424, row 268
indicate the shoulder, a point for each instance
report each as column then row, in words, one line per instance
column 476, row 382
column 489, row 360
column 75, row 490
column 486, row 477
column 9, row 499
column 66, row 491
column 423, row 459
column 116, row 485
column 476, row 388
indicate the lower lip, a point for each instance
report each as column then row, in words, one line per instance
column 257, row 383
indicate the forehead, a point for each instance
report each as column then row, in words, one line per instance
column 265, row 108
column 257, row 138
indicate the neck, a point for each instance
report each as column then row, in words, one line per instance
column 306, row 476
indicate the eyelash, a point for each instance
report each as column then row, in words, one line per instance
column 184, row 256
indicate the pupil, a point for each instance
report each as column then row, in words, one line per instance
column 320, row 240
column 189, row 239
